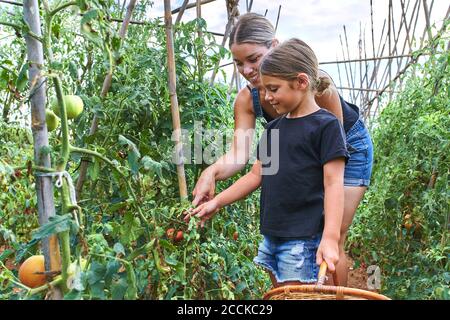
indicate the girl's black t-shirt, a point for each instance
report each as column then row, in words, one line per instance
column 292, row 189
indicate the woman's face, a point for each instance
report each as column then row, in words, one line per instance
column 247, row 57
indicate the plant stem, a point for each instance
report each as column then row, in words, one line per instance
column 113, row 166
column 62, row 7
column 9, row 24
column 37, row 290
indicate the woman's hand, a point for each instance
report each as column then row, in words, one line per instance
column 205, row 187
column 329, row 251
column 204, row 211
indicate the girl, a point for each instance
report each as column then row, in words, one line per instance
column 302, row 181
column 250, row 40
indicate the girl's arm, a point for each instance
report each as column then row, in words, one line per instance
column 236, row 158
column 240, row 189
column 334, row 210
column 330, row 99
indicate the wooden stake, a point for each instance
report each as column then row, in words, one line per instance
column 176, row 122
column 192, row 5
column 105, row 89
column 44, row 185
column 181, row 12
column 228, row 27
column 278, row 18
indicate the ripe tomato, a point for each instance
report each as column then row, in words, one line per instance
column 179, row 236
column 170, row 233
column 31, row 272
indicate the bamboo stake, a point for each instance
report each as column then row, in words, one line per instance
column 390, row 25
column 339, row 74
column 415, row 59
column 366, row 76
column 176, row 122
column 385, row 74
column 199, row 16
column 224, row 41
column 345, row 65
column 278, row 18
column 364, row 89
column 407, row 37
column 349, row 65
column 44, row 186
column 366, row 59
column 199, row 53
column 181, row 12
column 374, row 77
column 105, row 89
column 249, row 7
column 427, row 20
column 425, row 29
column 192, row 5
column 373, row 54
column 360, row 65
column 14, row 3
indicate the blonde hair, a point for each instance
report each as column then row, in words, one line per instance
column 289, row 59
column 252, row 28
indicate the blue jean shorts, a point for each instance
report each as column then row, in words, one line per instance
column 358, row 169
column 289, row 260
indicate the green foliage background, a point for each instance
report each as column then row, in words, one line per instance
column 411, row 148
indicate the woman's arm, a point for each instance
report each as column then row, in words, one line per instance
column 330, row 99
column 333, row 173
column 240, row 189
column 236, row 158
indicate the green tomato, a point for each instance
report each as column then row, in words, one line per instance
column 74, row 106
column 51, row 119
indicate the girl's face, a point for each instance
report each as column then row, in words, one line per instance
column 247, row 57
column 285, row 96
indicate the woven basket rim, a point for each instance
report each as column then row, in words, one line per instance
column 312, row 289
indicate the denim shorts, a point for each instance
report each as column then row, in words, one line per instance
column 359, row 166
column 289, row 260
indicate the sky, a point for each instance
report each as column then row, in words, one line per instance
column 318, row 22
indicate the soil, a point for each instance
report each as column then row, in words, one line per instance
column 357, row 277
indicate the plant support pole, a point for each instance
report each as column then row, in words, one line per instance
column 105, row 89
column 174, row 102
column 44, row 186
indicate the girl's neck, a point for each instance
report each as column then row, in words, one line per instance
column 306, row 106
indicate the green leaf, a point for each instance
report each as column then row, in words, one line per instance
column 89, row 16
column 22, row 78
column 96, row 273
column 153, row 166
column 5, row 254
column 73, row 295
column 112, row 268
column 131, row 293
column 118, row 248
column 118, row 288
column 94, row 170
column 133, row 153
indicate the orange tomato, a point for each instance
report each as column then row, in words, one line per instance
column 31, row 272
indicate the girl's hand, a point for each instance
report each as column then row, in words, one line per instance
column 204, row 211
column 329, row 251
column 205, row 188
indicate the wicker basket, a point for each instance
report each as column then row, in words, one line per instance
column 319, row 291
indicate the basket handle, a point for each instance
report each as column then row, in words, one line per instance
column 322, row 275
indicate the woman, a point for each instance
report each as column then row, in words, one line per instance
column 250, row 40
